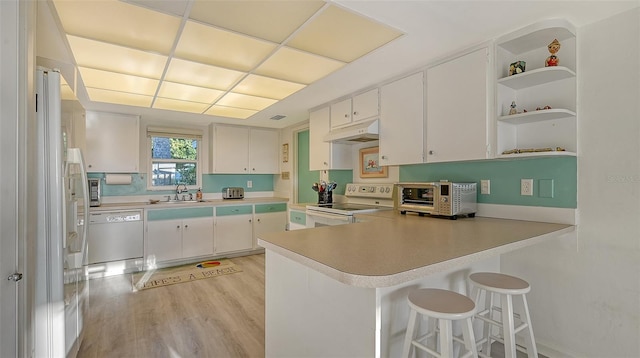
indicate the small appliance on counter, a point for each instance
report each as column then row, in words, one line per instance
column 233, row 193
column 94, row 191
column 436, row 198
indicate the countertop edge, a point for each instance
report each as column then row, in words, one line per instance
column 402, row 277
column 211, row 202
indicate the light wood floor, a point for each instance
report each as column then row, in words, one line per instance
column 216, row 317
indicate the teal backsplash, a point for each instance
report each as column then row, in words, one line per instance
column 211, row 183
column 505, row 178
column 341, row 177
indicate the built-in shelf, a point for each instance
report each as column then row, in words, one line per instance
column 537, row 116
column 537, row 154
column 537, row 77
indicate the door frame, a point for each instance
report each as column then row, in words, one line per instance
column 293, row 157
column 17, row 120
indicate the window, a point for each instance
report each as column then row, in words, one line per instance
column 174, row 158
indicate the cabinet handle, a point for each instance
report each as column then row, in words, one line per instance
column 249, row 220
column 254, row 169
column 177, row 227
column 383, row 157
column 325, row 163
column 431, row 152
column 346, row 115
column 355, row 113
column 258, row 220
column 186, row 226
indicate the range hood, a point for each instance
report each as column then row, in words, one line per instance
column 358, row 132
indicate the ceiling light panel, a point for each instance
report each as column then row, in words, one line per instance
column 108, row 57
column 129, row 99
column 119, row 23
column 342, row 35
column 231, row 112
column 267, row 87
column 118, row 81
column 175, row 7
column 189, row 93
column 180, row 106
column 201, row 75
column 238, row 100
column 270, row 20
column 205, row 44
column 297, row 66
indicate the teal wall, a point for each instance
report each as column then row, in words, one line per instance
column 341, row 177
column 211, row 183
column 556, row 176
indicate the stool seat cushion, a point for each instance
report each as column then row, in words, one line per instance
column 442, row 304
column 500, row 283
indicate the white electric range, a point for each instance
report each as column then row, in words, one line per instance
column 361, row 198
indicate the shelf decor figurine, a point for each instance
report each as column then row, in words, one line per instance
column 516, row 68
column 553, row 60
column 513, row 109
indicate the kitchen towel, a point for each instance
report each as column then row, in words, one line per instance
column 118, row 179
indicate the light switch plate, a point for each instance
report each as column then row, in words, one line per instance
column 545, row 189
column 485, row 186
column 526, row 187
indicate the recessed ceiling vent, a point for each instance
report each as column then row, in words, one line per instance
column 277, row 117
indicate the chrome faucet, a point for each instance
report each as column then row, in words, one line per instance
column 180, row 191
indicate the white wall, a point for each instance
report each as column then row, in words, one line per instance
column 585, row 297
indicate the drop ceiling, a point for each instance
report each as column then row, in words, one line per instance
column 163, row 51
column 220, row 58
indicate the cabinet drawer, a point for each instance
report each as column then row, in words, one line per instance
column 270, row 208
column 234, row 210
column 169, row 214
column 298, row 217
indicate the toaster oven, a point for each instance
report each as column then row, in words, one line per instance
column 436, row 198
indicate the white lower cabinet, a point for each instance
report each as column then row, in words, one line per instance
column 233, row 229
column 174, row 234
column 269, row 218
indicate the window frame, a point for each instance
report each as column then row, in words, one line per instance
column 178, row 134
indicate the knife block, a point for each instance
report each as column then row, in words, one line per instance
column 326, row 197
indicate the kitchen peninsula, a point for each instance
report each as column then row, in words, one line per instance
column 341, row 290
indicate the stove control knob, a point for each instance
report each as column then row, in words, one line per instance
column 387, row 189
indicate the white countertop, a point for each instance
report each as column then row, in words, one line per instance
column 389, row 248
column 165, row 205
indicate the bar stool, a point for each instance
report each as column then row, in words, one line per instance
column 445, row 306
column 506, row 287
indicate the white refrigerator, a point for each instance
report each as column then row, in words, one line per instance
column 61, row 289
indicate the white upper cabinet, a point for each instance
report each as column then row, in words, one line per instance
column 341, row 113
column 245, row 150
column 231, row 149
column 402, row 121
column 324, row 155
column 457, row 108
column 542, row 132
column 360, row 107
column 113, row 142
column 264, row 151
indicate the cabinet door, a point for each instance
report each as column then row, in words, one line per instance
column 365, row 105
column 324, row 155
column 197, row 237
column 233, row 233
column 341, row 113
column 402, row 121
column 457, row 108
column 113, row 142
column 164, row 240
column 269, row 222
column 264, row 151
column 231, row 149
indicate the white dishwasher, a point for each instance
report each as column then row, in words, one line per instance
column 115, row 236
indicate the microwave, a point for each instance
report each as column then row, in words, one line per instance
column 436, row 198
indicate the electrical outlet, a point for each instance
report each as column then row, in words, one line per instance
column 249, row 183
column 485, row 186
column 526, row 187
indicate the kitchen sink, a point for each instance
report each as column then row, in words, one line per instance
column 178, row 202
